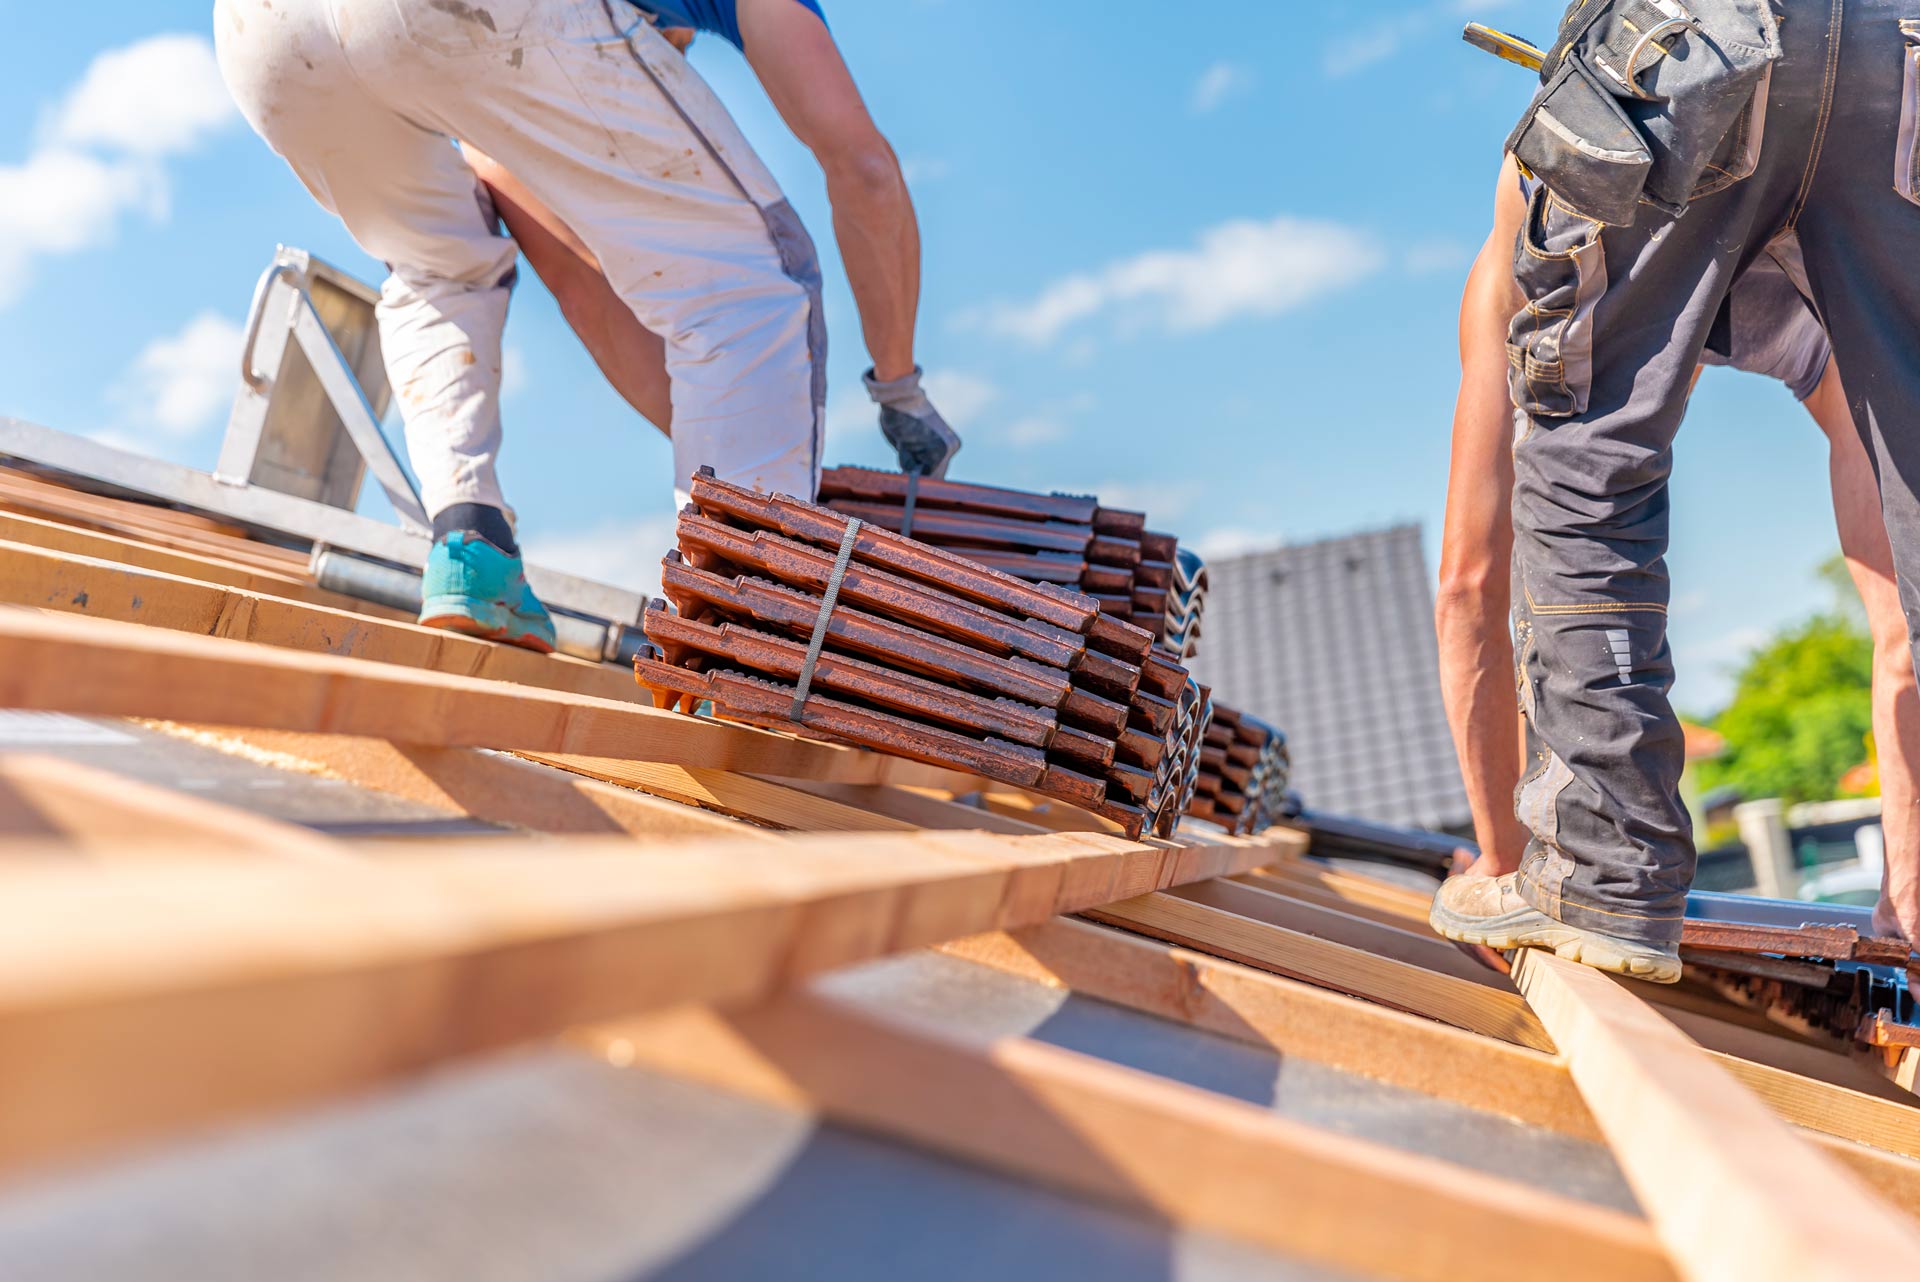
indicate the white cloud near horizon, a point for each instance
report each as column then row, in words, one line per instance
column 1217, row 85
column 1229, row 541
column 625, row 552
column 99, row 154
column 1164, row 502
column 513, row 370
column 960, row 397
column 1237, row 269
column 182, row 383
column 159, row 96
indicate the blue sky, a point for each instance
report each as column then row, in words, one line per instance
column 1200, row 260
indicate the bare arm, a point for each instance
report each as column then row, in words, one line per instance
column 1476, row 549
column 1896, row 701
column 633, row 358
column 792, row 52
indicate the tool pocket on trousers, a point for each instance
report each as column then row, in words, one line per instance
column 1577, row 140
column 1738, row 154
column 1560, row 266
column 1693, row 77
column 1536, row 803
column 1906, row 152
column 457, row 28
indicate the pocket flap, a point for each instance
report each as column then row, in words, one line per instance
column 1577, row 140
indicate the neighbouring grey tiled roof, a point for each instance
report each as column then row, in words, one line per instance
column 1334, row 643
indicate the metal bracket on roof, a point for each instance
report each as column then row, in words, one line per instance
column 306, row 419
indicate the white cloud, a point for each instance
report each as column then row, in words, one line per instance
column 180, row 384
column 959, row 396
column 1232, row 541
column 1036, row 429
column 513, row 370
column 157, row 97
column 1217, row 84
column 850, row 413
column 100, row 152
column 60, row 201
column 1164, row 502
column 624, row 553
column 1237, row 269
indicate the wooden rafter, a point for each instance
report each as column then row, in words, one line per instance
column 488, row 786
column 49, row 805
column 104, row 589
column 135, row 999
column 1476, row 1007
column 1183, row 1155
column 135, row 671
column 1418, row 1054
column 1733, row 1193
column 56, row 536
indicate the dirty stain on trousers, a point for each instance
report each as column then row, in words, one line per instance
column 594, row 111
column 1817, row 172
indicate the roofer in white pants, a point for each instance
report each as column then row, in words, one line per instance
column 587, row 103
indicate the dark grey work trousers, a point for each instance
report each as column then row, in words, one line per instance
column 1602, row 360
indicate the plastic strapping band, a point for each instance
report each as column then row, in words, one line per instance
column 819, row 641
column 913, row 497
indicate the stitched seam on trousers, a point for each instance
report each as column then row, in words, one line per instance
column 626, row 38
column 1826, row 114
column 1625, row 607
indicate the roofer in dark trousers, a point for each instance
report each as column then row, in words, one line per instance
column 1677, row 142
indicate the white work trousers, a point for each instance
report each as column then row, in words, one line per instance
column 605, row 122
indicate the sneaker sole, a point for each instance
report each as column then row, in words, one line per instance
column 472, row 627
column 1570, row 942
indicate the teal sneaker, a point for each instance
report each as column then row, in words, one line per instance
column 473, row 587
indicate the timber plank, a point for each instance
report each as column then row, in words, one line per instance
column 1464, row 1004
column 1276, row 909
column 1165, row 1149
column 103, row 589
column 137, row 999
column 915, row 808
column 1291, row 1017
column 742, row 796
column 97, row 667
column 1875, row 1138
column 1389, row 897
column 49, row 805
column 55, row 536
column 1307, row 892
column 488, row 786
column 1734, row 1194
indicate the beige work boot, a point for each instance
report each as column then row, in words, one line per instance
column 1489, row 911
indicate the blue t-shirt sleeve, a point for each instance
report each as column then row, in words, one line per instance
column 720, row 17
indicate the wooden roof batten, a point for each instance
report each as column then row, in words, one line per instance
column 668, row 891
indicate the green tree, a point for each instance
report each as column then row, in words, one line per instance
column 1801, row 712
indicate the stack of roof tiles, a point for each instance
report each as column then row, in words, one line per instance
column 1109, row 553
column 926, row 654
column 1244, row 769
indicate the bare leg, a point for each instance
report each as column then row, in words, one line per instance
column 1896, row 699
column 1476, row 646
column 633, row 358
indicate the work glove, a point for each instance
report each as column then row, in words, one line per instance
column 912, row 426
